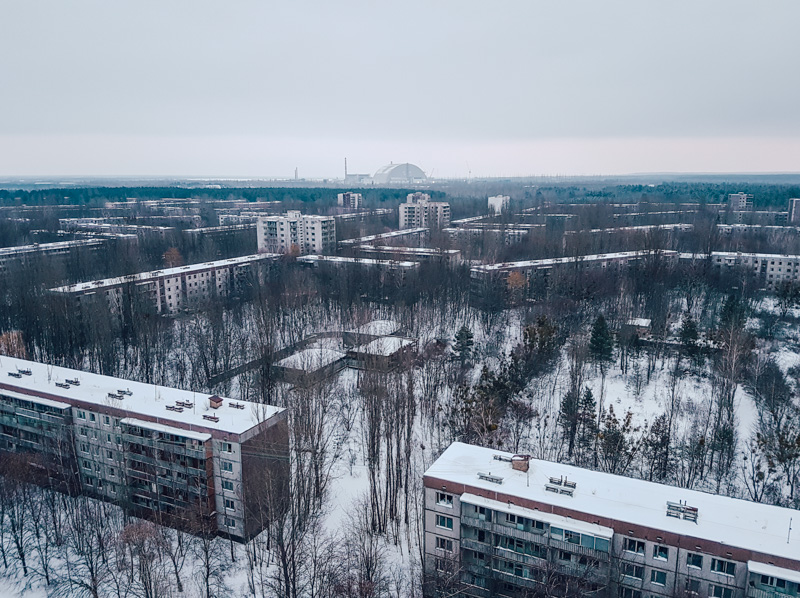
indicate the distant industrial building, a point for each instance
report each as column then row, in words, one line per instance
column 170, row 290
column 399, row 174
column 499, row 204
column 190, row 460
column 350, row 200
column 418, row 211
column 296, row 232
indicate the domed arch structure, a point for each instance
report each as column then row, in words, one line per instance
column 399, row 174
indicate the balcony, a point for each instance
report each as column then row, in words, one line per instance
column 759, row 593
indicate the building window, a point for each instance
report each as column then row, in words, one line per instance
column 91, row 417
column 658, row 578
column 229, row 522
column 661, row 553
column 444, row 500
column 632, row 545
column 445, row 522
column 629, row 593
column 230, row 505
column 227, row 485
column 81, row 415
column 106, row 420
column 715, row 591
column 724, row 567
column 226, row 466
column 694, row 560
column 631, row 570
column 444, row 544
column 773, row 582
column 693, row 586
column 227, row 447
column 564, row 555
column 109, row 454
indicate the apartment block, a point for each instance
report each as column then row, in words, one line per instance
column 190, row 460
column 793, row 216
column 296, row 232
column 419, row 211
column 171, row 290
column 450, row 257
column 499, row 524
column 50, row 254
column 411, row 237
column 539, row 271
column 770, row 269
column 350, row 200
column 740, row 201
column 499, row 204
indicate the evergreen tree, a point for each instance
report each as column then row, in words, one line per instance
column 601, row 344
column 688, row 337
column 586, row 426
column 569, row 416
column 463, row 345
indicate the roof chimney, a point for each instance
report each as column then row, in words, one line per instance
column 215, row 402
column 520, row 462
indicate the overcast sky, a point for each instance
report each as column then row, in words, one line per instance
column 503, row 87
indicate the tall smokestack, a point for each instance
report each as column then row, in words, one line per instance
column 345, row 169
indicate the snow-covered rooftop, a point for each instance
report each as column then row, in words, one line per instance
column 385, row 346
column 357, row 261
column 390, row 235
column 599, row 257
column 58, row 245
column 311, row 359
column 377, row 328
column 409, row 250
column 145, row 399
column 733, row 522
column 165, row 273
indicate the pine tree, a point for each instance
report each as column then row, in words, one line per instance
column 601, row 344
column 688, row 336
column 463, row 345
column 601, row 349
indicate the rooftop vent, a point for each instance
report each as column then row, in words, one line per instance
column 235, row 405
column 211, row 418
column 495, row 479
column 561, row 486
column 15, row 374
column 62, row 385
column 215, row 402
column 681, row 510
column 74, row 382
column 113, row 395
column 25, row 372
column 502, row 458
column 187, row 404
column 127, row 392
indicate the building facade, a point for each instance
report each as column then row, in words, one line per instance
column 769, row 269
column 740, row 201
column 498, row 524
column 171, row 290
column 350, row 200
column 296, row 232
column 190, row 460
column 499, row 204
column 418, row 211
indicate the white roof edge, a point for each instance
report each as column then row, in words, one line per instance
column 575, row 525
column 34, row 399
column 773, row 571
column 201, row 436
